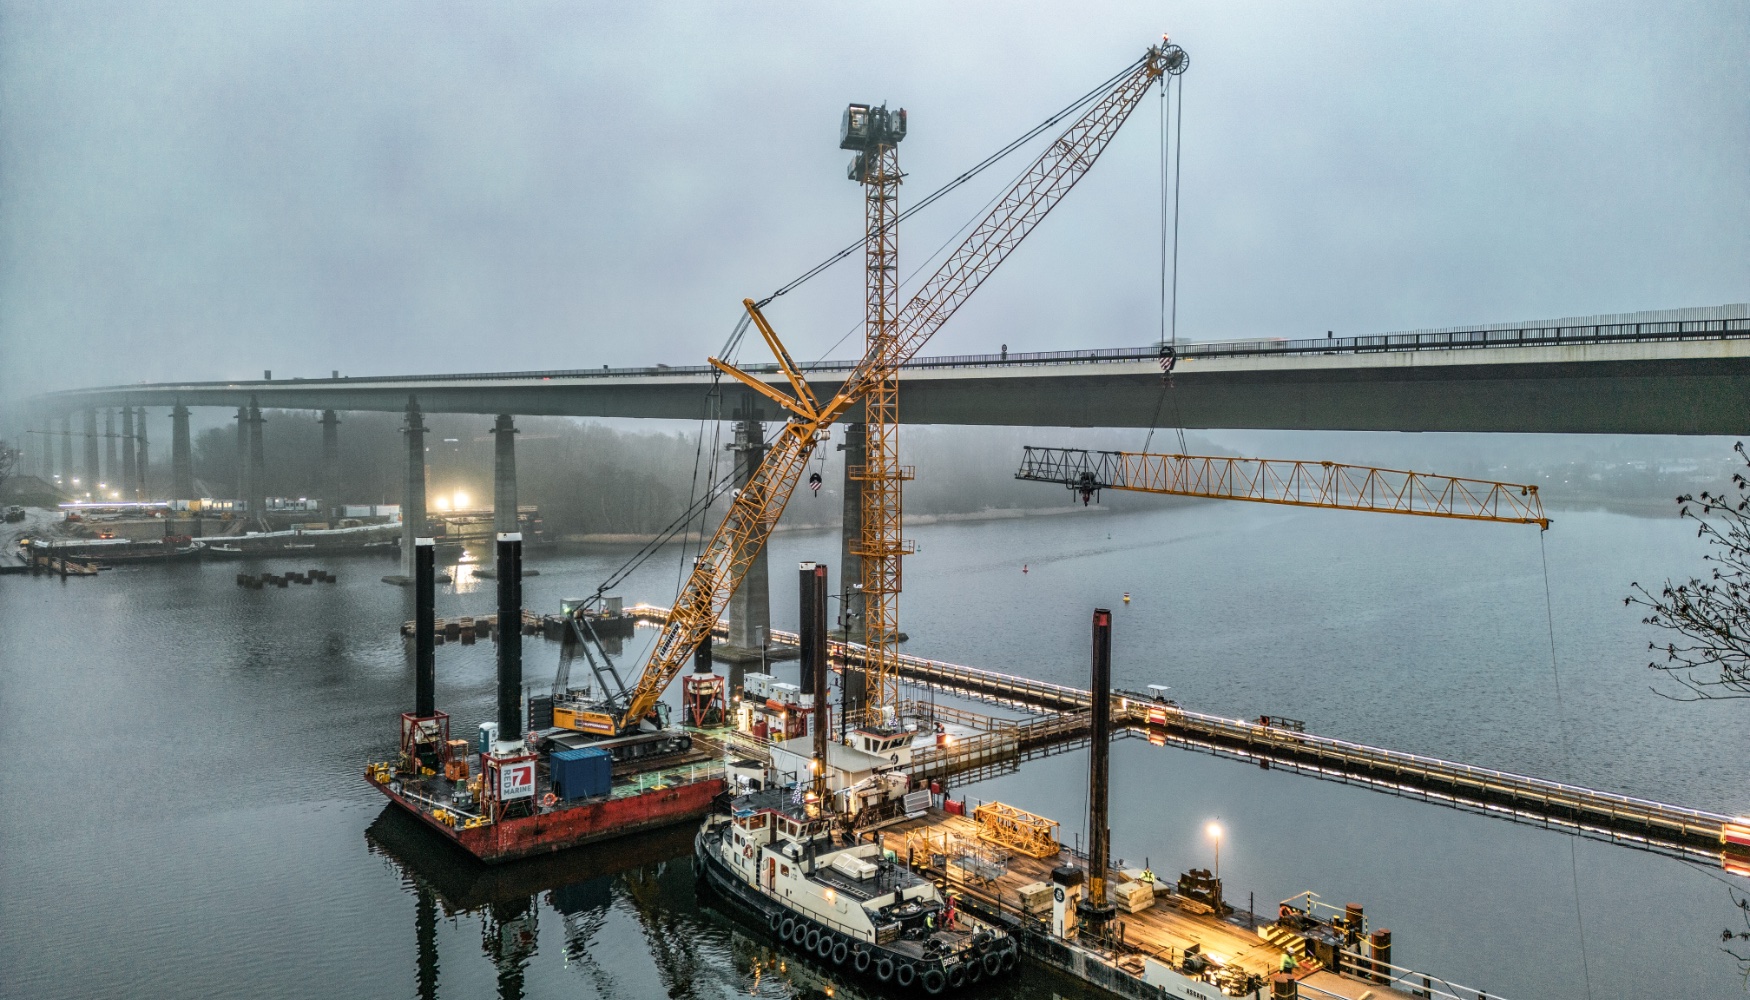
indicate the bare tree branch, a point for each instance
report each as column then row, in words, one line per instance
column 1710, row 656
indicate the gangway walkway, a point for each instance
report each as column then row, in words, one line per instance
column 1689, row 834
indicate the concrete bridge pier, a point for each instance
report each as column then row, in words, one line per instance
column 331, row 498
column 181, row 456
column 413, row 497
column 46, row 452
column 750, row 610
column 257, row 468
column 129, row 487
column 93, row 471
column 241, row 490
column 142, row 456
column 856, row 450
column 67, row 472
column 111, row 472
column 504, row 500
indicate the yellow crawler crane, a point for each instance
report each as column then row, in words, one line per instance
column 1017, row 830
column 1297, row 484
column 755, row 510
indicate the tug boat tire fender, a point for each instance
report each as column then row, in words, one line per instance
column 773, row 920
column 974, row 971
column 840, row 951
column 860, row 960
column 992, row 964
column 799, row 933
column 811, row 940
column 1011, row 958
column 884, row 969
column 906, row 974
column 787, row 929
column 957, row 977
column 933, row 981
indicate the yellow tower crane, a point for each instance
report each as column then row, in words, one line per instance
column 893, row 338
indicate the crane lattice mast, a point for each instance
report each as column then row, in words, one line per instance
column 881, row 547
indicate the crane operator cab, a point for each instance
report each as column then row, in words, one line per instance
column 866, row 129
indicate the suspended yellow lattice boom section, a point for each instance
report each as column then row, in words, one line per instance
column 757, row 507
column 1297, row 484
column 1017, row 830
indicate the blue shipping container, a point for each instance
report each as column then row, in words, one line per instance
column 584, row 773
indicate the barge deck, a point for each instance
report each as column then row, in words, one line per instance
column 678, row 789
column 1160, row 936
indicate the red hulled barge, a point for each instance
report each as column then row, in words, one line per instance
column 507, row 796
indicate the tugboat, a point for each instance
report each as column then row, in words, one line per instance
column 774, row 854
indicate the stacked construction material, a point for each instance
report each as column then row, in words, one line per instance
column 1036, row 898
column 1134, row 897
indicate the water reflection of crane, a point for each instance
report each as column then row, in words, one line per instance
column 580, row 885
column 671, row 944
column 583, row 908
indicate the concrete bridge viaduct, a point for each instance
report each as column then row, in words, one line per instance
column 1683, row 371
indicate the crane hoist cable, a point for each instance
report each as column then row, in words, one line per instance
column 1169, row 333
column 760, row 502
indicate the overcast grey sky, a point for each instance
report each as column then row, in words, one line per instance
column 209, row 190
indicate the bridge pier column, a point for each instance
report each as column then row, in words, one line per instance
column 331, row 498
column 504, row 499
column 181, row 456
column 241, row 492
column 128, row 487
column 750, row 610
column 413, row 493
column 257, row 468
column 67, row 472
column 142, row 456
column 111, row 472
column 93, row 471
column 856, row 449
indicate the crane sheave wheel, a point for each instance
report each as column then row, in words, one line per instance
column 1176, row 59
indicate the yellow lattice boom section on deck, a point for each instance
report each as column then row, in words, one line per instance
column 1279, row 481
column 1017, row 830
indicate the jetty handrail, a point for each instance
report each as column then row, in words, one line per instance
column 1132, row 710
column 1382, row 755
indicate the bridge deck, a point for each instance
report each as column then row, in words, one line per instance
column 1662, row 376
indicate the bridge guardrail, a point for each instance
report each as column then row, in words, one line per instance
column 1531, row 336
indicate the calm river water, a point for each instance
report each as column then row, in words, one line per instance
column 183, row 813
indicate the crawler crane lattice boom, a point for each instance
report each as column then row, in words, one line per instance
column 756, row 509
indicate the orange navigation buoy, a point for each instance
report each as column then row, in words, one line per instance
column 1127, row 597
